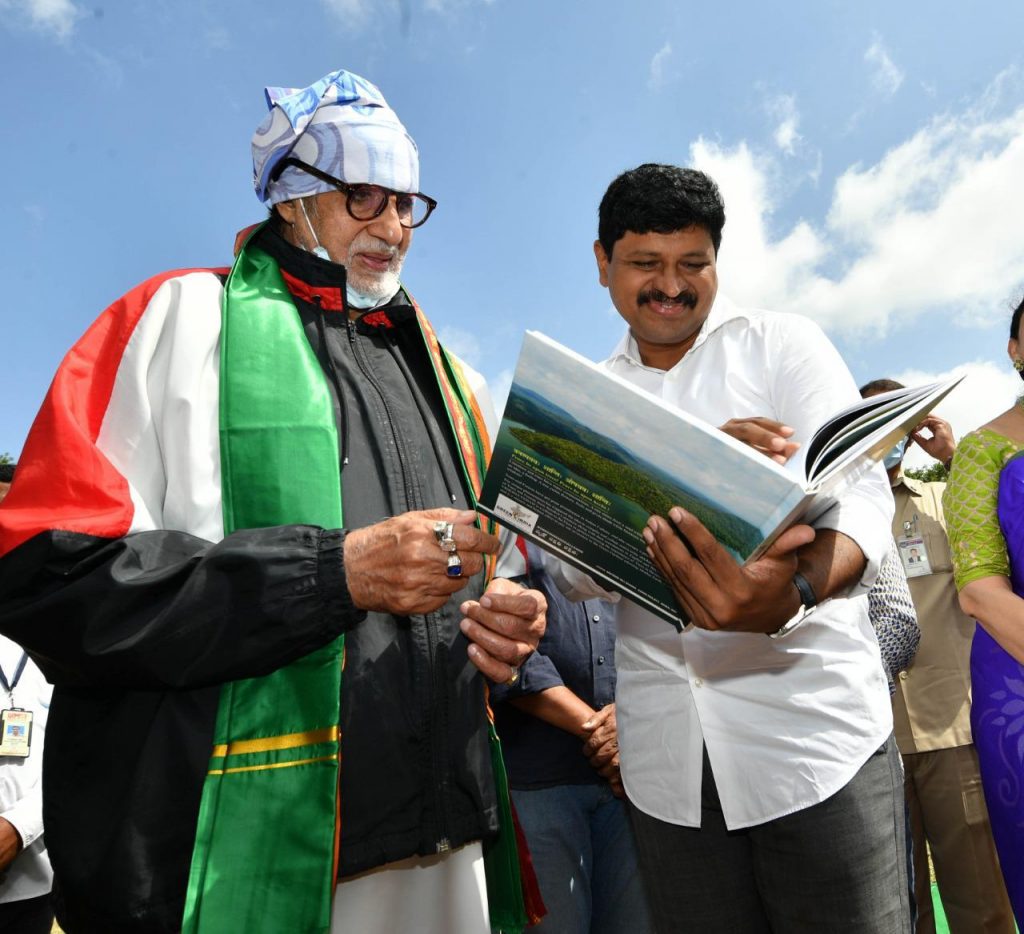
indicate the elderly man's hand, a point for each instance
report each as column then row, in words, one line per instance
column 504, row 627
column 397, row 566
column 766, row 435
column 717, row 592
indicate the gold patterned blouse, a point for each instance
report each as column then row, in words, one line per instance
column 972, row 520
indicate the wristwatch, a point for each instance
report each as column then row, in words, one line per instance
column 808, row 601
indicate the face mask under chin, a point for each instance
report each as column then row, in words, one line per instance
column 895, row 455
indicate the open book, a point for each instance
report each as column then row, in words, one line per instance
column 583, row 458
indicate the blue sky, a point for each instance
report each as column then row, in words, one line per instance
column 871, row 156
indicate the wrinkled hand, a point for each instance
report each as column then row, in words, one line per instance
column 941, row 444
column 717, row 592
column 769, row 437
column 10, row 843
column 504, row 627
column 602, row 746
column 397, row 567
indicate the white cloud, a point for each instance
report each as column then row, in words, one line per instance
column 767, row 273
column 659, row 62
column 783, row 109
column 987, row 391
column 462, row 343
column 54, row 17
column 931, row 227
column 499, row 386
column 886, row 77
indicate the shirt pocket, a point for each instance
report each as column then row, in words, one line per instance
column 937, row 544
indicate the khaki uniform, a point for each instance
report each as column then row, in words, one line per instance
column 931, row 712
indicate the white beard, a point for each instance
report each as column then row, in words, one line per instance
column 369, row 290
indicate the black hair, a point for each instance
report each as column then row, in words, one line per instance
column 1015, row 321
column 877, row 386
column 7, row 472
column 659, row 198
column 277, row 222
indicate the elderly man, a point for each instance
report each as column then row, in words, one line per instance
column 198, row 553
column 756, row 746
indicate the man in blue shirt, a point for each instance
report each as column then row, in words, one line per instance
column 557, row 726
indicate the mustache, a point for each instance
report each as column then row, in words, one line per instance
column 686, row 297
column 365, row 242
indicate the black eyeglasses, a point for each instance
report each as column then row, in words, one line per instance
column 365, row 202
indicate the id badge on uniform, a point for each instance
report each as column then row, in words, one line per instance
column 914, row 556
column 15, row 732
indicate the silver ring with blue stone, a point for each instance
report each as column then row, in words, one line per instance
column 454, row 565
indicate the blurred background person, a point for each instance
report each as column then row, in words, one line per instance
column 984, row 507
column 558, row 732
column 25, row 874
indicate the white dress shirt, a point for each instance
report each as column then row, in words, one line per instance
column 21, row 781
column 787, row 722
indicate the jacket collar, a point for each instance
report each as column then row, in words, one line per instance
column 321, row 282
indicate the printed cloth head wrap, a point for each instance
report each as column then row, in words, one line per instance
column 344, row 127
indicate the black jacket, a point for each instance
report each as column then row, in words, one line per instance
column 137, row 633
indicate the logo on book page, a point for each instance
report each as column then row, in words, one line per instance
column 519, row 516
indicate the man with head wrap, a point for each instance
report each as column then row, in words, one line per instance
column 197, row 553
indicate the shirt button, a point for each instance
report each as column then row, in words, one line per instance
column 600, row 659
column 698, row 682
column 597, row 618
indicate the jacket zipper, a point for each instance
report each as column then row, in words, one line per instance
column 437, row 738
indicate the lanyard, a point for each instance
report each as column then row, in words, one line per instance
column 9, row 688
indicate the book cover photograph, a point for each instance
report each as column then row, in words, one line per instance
column 583, row 458
column 578, row 468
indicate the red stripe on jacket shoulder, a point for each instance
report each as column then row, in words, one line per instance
column 63, row 481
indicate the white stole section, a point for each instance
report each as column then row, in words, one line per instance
column 161, row 428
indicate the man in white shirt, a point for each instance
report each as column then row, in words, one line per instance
column 25, row 874
column 761, row 772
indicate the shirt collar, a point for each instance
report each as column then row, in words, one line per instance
column 723, row 310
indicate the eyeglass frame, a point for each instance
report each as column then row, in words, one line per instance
column 347, row 189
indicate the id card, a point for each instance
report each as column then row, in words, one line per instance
column 914, row 556
column 15, row 732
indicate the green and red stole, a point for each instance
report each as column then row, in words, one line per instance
column 266, row 848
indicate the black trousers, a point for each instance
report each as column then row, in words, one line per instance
column 28, row 916
column 839, row 866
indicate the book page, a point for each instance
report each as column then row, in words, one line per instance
column 845, row 430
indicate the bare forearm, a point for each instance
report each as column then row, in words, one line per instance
column 999, row 610
column 559, row 707
column 832, row 563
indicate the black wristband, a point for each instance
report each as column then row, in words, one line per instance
column 806, row 591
